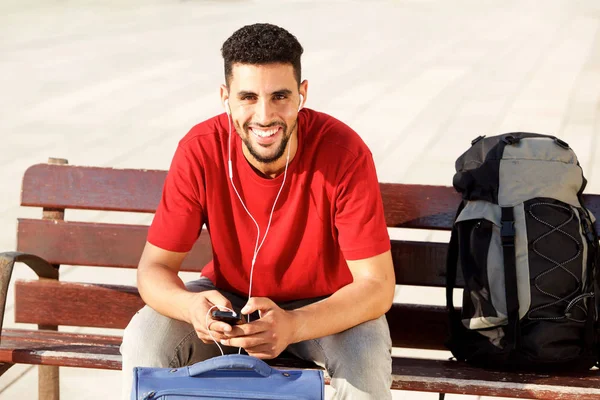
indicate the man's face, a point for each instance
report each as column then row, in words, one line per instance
column 264, row 102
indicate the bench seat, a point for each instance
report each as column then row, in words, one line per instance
column 102, row 351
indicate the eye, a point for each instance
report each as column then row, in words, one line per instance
column 248, row 97
column 280, row 96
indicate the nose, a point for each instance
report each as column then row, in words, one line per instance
column 263, row 112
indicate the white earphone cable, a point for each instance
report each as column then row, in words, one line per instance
column 238, row 194
column 269, row 224
column 257, row 246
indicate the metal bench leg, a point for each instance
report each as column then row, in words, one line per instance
column 442, row 396
column 48, row 378
column 49, row 388
column 48, row 383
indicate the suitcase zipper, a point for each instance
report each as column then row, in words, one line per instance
column 219, row 395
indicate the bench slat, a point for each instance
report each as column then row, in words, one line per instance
column 95, row 188
column 95, row 244
column 81, row 304
column 418, row 326
column 454, row 377
column 95, row 351
column 92, row 188
column 112, row 306
column 60, row 348
column 421, row 263
column 419, row 206
column 86, row 244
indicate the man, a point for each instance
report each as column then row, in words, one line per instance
column 293, row 208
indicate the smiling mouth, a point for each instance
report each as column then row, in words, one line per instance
column 264, row 133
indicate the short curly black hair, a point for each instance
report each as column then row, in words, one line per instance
column 262, row 44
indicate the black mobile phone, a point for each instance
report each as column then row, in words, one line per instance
column 226, row 316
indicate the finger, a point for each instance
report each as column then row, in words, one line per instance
column 264, row 352
column 252, row 328
column 217, row 299
column 207, row 339
column 246, row 341
column 262, row 356
column 214, row 328
column 266, row 348
column 258, row 304
column 219, row 326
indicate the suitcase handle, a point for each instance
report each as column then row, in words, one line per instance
column 232, row 361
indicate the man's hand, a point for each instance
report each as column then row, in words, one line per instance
column 197, row 310
column 266, row 337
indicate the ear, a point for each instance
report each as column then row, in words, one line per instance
column 224, row 93
column 303, row 90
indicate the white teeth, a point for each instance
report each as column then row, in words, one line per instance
column 267, row 133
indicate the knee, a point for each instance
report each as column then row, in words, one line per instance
column 138, row 337
column 365, row 344
column 362, row 356
column 362, row 362
column 151, row 339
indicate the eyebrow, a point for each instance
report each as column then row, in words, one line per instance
column 285, row 92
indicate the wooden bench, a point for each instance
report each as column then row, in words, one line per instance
column 45, row 243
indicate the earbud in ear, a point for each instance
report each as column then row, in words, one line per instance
column 301, row 101
column 227, row 109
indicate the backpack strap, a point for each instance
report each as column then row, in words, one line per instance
column 510, row 277
column 594, row 259
column 451, row 269
column 452, row 263
column 594, row 267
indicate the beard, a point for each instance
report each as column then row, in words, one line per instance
column 280, row 147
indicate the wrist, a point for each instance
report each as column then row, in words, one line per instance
column 185, row 305
column 297, row 325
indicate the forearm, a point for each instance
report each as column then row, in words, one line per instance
column 163, row 290
column 353, row 304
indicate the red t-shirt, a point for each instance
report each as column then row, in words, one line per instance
column 329, row 211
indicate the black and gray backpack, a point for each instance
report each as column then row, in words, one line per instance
column 528, row 253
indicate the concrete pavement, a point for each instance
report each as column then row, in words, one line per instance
column 109, row 84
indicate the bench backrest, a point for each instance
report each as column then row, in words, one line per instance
column 57, row 188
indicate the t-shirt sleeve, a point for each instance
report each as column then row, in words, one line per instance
column 179, row 216
column 359, row 217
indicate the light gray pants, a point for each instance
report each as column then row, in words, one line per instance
column 358, row 360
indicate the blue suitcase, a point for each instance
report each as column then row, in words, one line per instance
column 227, row 377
